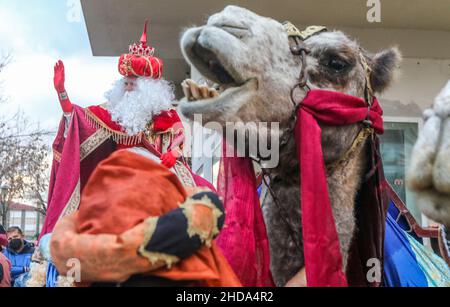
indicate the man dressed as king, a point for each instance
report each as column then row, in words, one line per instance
column 139, row 123
column 138, row 113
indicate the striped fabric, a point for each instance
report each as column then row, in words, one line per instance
column 408, row 263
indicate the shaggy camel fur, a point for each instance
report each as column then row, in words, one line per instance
column 429, row 173
column 249, row 57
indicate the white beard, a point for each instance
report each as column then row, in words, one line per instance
column 134, row 110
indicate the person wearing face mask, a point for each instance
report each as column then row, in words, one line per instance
column 18, row 252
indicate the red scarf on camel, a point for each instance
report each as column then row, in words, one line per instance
column 323, row 259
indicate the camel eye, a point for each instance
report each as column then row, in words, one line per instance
column 337, row 65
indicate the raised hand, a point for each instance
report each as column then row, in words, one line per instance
column 59, row 77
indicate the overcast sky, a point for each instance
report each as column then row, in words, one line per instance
column 37, row 33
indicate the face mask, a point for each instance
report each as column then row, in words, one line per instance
column 15, row 244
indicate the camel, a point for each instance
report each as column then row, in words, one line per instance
column 429, row 173
column 250, row 58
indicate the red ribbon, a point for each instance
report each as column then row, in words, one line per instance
column 323, row 259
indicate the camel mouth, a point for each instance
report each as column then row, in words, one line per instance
column 227, row 100
column 214, row 71
column 204, row 57
column 212, row 68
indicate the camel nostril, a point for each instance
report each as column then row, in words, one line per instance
column 236, row 31
column 212, row 63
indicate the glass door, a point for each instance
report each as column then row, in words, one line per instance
column 396, row 148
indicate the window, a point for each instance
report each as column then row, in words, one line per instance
column 15, row 218
column 396, row 148
column 30, row 218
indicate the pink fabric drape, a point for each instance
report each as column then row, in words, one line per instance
column 243, row 240
column 65, row 172
column 68, row 170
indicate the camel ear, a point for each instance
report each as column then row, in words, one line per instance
column 384, row 67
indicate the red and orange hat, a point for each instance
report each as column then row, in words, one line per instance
column 140, row 62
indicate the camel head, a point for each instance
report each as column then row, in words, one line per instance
column 250, row 58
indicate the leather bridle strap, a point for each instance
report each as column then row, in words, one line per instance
column 298, row 48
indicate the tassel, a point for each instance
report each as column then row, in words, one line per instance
column 117, row 137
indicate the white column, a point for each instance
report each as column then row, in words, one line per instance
column 202, row 156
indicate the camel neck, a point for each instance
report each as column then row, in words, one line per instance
column 343, row 185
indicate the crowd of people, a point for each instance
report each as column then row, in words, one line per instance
column 15, row 257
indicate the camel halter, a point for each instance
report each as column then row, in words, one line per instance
column 298, row 47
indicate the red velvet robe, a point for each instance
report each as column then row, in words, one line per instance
column 91, row 137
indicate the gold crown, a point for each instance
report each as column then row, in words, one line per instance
column 141, row 50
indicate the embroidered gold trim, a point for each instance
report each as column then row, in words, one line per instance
column 126, row 66
column 92, row 143
column 147, row 61
column 118, row 137
column 184, row 175
column 188, row 209
column 154, row 257
column 73, row 203
column 165, row 142
column 159, row 68
column 88, row 146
